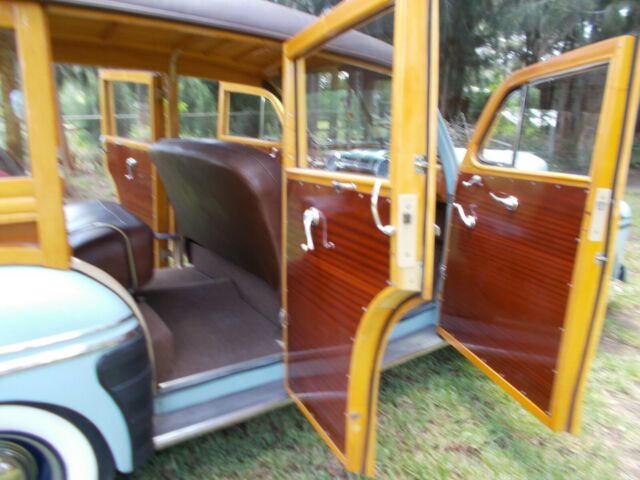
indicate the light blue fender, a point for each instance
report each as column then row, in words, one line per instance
column 55, row 326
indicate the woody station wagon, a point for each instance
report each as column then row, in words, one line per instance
column 326, row 234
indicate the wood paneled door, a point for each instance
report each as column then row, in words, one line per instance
column 534, row 223
column 359, row 223
column 132, row 119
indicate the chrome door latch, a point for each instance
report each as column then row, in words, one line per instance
column 511, row 203
column 474, row 180
column 388, row 230
column 312, row 218
column 601, row 258
column 421, row 163
column 131, row 163
column 469, row 221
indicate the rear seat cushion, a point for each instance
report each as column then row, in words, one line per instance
column 93, row 241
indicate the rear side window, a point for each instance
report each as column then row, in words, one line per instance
column 198, row 107
column 131, row 111
column 549, row 125
column 14, row 154
column 253, row 116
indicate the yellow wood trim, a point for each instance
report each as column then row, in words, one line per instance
column 255, row 142
column 364, row 183
column 125, row 142
column 300, row 112
column 18, row 205
column 341, row 18
column 495, row 376
column 130, row 76
column 289, row 125
column 6, row 15
column 374, row 329
column 225, row 90
column 408, row 139
column 314, row 423
column 16, row 187
column 21, row 256
column 355, row 62
column 37, row 77
column 12, row 218
column 576, row 349
column 230, row 87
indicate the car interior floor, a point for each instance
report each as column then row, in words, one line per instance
column 209, row 320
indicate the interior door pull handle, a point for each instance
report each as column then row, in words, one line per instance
column 388, row 230
column 511, row 203
column 474, row 180
column 312, row 218
column 468, row 220
column 131, row 164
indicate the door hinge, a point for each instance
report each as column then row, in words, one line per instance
column 421, row 163
column 283, row 318
column 601, row 258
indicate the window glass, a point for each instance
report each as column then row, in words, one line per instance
column 132, row 114
column 349, row 110
column 554, row 130
column 14, row 150
column 500, row 144
column 198, row 107
column 560, row 122
column 253, row 116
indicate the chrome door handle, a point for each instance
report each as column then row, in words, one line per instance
column 468, row 220
column 388, row 230
column 340, row 186
column 474, row 180
column 312, row 218
column 511, row 203
column 131, row 164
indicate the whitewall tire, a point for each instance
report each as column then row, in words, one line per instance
column 59, row 447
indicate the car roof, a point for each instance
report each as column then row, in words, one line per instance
column 254, row 17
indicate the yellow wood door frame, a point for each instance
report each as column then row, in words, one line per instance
column 36, row 199
column 158, row 122
column 414, row 124
column 225, row 89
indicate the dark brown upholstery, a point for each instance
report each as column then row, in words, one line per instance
column 92, row 239
column 226, row 197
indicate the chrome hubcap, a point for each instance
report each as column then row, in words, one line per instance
column 16, row 463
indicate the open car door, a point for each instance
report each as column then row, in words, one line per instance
column 358, row 207
column 534, row 225
column 132, row 119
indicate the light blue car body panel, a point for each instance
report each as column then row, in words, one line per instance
column 38, row 303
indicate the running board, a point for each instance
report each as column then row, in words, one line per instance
column 190, row 422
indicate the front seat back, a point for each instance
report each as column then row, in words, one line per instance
column 227, row 198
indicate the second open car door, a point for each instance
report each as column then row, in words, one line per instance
column 533, row 230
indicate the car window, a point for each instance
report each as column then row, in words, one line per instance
column 14, row 150
column 349, row 112
column 549, row 125
column 253, row 116
column 198, row 105
column 131, row 111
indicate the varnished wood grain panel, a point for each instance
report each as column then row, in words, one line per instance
column 327, row 292
column 508, row 280
column 135, row 195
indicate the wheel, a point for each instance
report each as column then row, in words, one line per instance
column 38, row 445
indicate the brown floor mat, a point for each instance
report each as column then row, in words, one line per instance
column 212, row 326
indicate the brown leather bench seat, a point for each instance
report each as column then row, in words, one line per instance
column 106, row 235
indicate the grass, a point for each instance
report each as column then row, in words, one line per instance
column 441, row 418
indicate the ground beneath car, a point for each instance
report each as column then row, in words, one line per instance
column 441, row 418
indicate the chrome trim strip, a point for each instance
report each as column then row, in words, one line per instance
column 217, row 373
column 59, row 338
column 168, row 439
column 64, row 353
